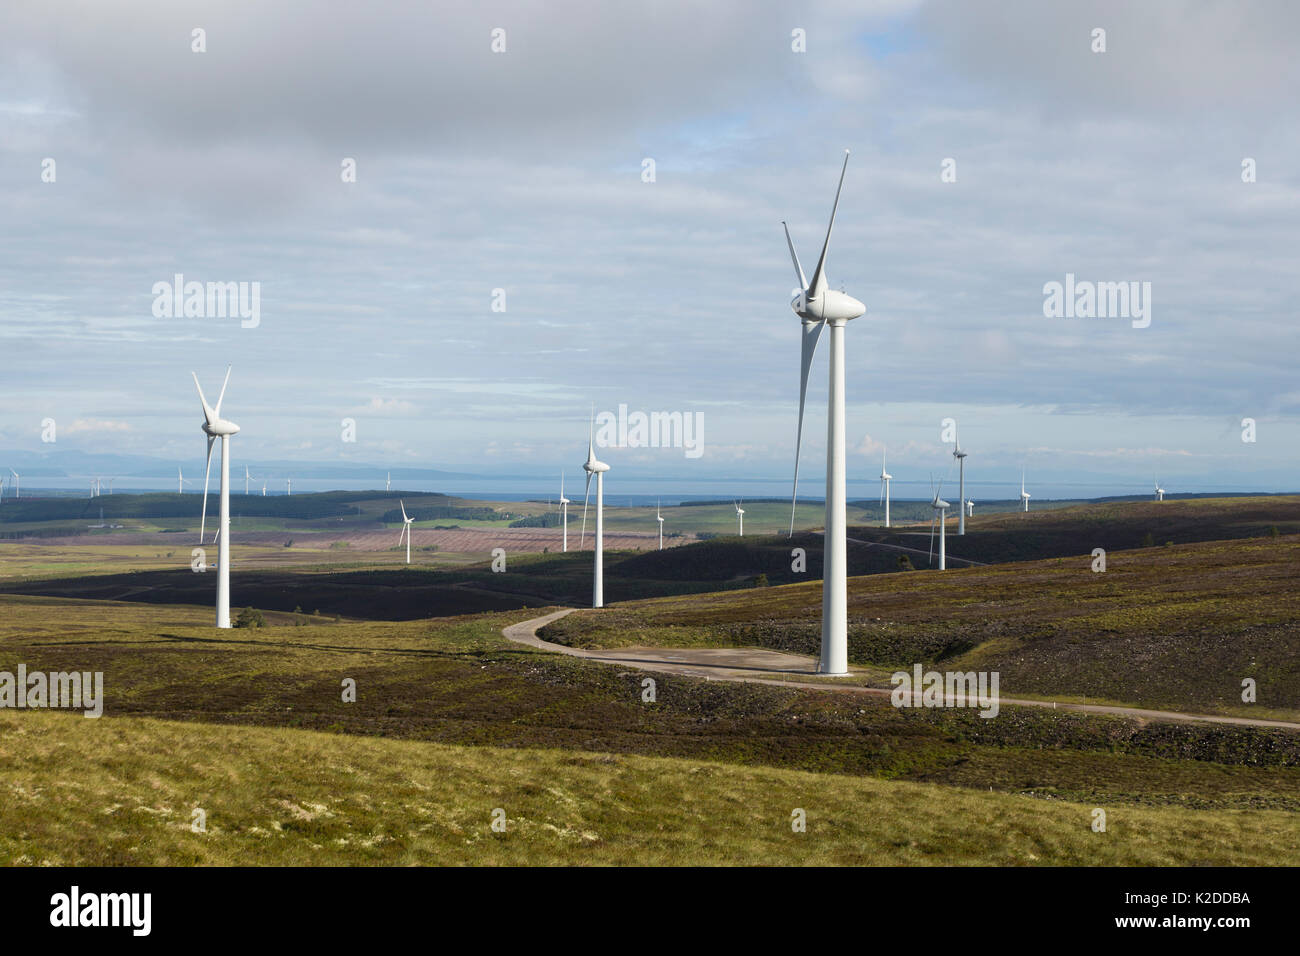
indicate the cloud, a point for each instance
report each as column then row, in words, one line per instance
column 95, row 425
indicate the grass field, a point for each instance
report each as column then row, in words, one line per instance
column 452, row 721
column 122, row 792
column 1170, row 627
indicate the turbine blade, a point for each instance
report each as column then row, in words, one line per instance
column 585, row 496
column 222, row 396
column 403, row 506
column 203, row 521
column 819, row 274
column 803, row 282
column 812, row 332
column 208, row 413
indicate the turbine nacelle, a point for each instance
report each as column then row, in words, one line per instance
column 220, row 428
column 828, row 306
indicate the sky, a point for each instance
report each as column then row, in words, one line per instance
column 501, row 263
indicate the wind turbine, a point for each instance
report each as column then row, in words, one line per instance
column 885, row 478
column 564, row 517
column 247, row 476
column 961, row 480
column 263, row 487
column 660, row 518
column 110, row 486
column 1024, row 495
column 214, row 426
column 740, row 515
column 18, row 484
column 388, row 482
column 290, row 487
column 817, row 306
column 406, row 530
column 1160, row 492
column 970, row 507
column 593, row 466
column 180, row 481
column 941, row 515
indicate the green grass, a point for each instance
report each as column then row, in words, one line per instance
column 121, row 792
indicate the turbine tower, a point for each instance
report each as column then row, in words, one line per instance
column 289, row 487
column 592, row 466
column 941, row 515
column 740, row 515
column 388, row 482
column 1024, row 495
column 406, row 530
column 214, row 426
column 818, row 306
column 961, row 481
column 885, row 479
column 564, row 517
column 660, row 518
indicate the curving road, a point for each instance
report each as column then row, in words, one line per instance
column 749, row 664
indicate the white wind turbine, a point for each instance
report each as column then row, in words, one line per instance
column 817, row 306
column 961, row 480
column 885, row 479
column 564, row 517
column 1160, row 492
column 18, row 484
column 263, row 487
column 180, row 481
column 660, row 518
column 740, row 515
column 289, row 487
column 592, row 466
column 970, row 507
column 388, row 482
column 247, row 477
column 214, row 426
column 406, row 530
column 941, row 515
column 1024, row 495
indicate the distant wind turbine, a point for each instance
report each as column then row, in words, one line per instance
column 660, row 518
column 564, row 517
column 817, row 306
column 885, row 479
column 1024, row 495
column 388, row 482
column 593, row 466
column 961, row 489
column 406, row 530
column 289, row 487
column 247, row 476
column 1160, row 492
column 740, row 515
column 940, row 515
column 970, row 507
column 214, row 426
column 18, row 484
